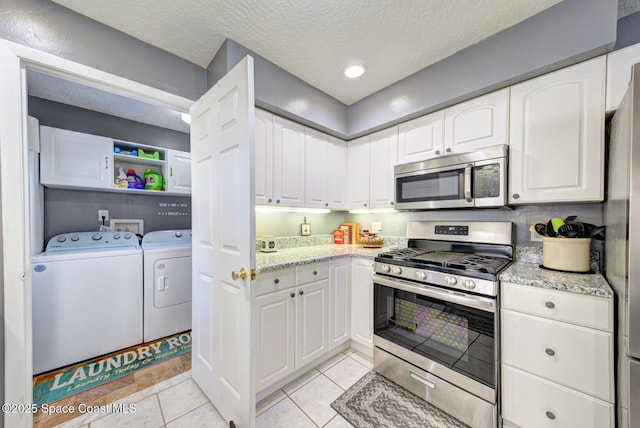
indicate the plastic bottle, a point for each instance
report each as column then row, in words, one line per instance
column 135, row 182
column 122, row 180
column 152, row 180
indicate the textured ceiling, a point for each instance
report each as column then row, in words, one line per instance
column 315, row 39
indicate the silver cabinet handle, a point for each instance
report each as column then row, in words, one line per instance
column 437, row 152
column 422, row 380
column 301, row 292
column 516, row 195
column 106, row 162
column 448, row 149
column 550, row 352
column 550, row 415
column 171, row 171
column 276, row 281
column 550, row 305
column 293, row 294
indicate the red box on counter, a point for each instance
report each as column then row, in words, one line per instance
column 338, row 236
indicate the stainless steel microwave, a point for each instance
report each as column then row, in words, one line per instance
column 466, row 180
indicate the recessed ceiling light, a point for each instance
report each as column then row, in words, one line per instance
column 355, row 70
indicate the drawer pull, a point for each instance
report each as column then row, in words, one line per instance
column 422, row 380
column 550, row 305
column 550, row 415
column 301, row 292
column 293, row 294
column 550, row 352
column 315, row 272
column 276, row 281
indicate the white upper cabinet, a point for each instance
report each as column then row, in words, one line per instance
column 421, row 138
column 619, row 73
column 336, row 174
column 316, row 169
column 477, row 123
column 179, row 165
column 288, row 162
column 358, row 173
column 557, row 136
column 264, row 157
column 383, row 155
column 75, row 160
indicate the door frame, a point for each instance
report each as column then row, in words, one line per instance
column 15, row 236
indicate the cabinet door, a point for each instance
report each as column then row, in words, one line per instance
column 362, row 304
column 339, row 302
column 477, row 123
column 315, row 170
column 274, row 337
column 264, row 157
column 337, row 174
column 312, row 321
column 619, row 64
column 179, row 180
column 288, row 163
column 73, row 159
column 383, row 156
column 358, row 173
column 557, row 136
column 421, row 138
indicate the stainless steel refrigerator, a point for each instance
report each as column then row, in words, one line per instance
column 622, row 250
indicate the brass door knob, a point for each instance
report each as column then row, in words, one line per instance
column 239, row 274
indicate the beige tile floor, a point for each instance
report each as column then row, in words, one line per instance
column 178, row 402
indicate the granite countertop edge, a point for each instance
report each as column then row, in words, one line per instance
column 530, row 274
column 281, row 259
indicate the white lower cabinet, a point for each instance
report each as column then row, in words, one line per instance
column 340, row 302
column 362, row 305
column 292, row 321
column 557, row 359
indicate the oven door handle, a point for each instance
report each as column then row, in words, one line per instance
column 451, row 296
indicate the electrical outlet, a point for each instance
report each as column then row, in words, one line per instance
column 103, row 213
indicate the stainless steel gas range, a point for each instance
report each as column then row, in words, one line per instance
column 436, row 318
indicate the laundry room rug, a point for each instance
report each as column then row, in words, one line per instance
column 58, row 384
column 374, row 402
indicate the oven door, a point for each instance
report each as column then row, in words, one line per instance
column 446, row 187
column 445, row 332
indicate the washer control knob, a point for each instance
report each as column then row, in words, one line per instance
column 127, row 236
column 385, row 268
column 96, row 236
column 421, row 275
column 397, row 270
column 451, row 280
column 469, row 284
column 178, row 234
column 75, row 238
column 61, row 238
column 116, row 236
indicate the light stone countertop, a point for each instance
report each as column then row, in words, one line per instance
column 533, row 275
column 288, row 257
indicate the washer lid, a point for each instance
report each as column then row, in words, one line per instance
column 75, row 241
column 166, row 238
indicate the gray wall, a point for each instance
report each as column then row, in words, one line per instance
column 51, row 28
column 77, row 210
column 566, row 33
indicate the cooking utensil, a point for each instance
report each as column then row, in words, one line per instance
column 539, row 228
column 569, row 230
column 549, row 229
column 597, row 233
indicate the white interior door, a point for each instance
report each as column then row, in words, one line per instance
column 222, row 144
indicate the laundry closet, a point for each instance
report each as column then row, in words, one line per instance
column 110, row 203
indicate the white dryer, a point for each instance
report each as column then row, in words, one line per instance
column 167, row 282
column 87, row 297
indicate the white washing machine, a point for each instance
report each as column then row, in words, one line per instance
column 167, row 282
column 87, row 297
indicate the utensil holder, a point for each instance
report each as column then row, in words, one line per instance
column 566, row 254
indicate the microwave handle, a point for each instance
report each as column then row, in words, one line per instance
column 467, row 182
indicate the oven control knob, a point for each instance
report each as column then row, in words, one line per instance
column 469, row 284
column 397, row 270
column 451, row 280
column 385, row 268
column 421, row 275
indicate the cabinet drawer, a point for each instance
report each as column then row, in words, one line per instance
column 529, row 401
column 589, row 311
column 573, row 356
column 312, row 272
column 269, row 282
